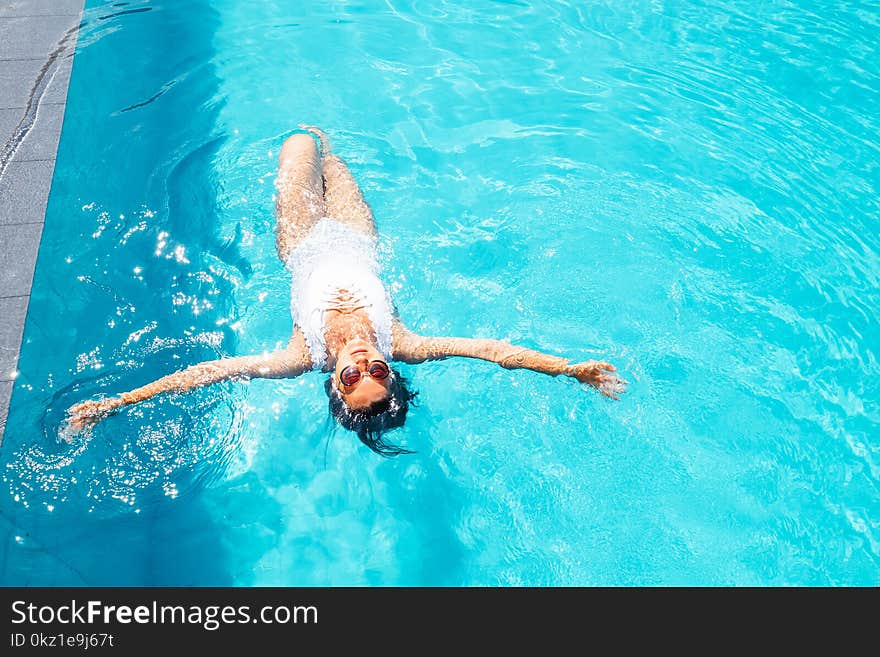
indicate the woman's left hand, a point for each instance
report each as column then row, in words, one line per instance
column 600, row 375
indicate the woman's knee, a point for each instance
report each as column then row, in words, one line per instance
column 298, row 146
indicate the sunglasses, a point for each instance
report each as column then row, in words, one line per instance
column 377, row 369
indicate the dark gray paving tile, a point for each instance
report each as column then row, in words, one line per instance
column 12, row 313
column 56, row 91
column 33, row 37
column 24, row 190
column 17, row 78
column 9, row 118
column 41, row 142
column 18, row 256
column 40, row 7
column 5, row 395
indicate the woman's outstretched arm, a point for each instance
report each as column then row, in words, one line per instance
column 286, row 363
column 410, row 347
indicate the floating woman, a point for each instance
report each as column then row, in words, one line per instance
column 344, row 321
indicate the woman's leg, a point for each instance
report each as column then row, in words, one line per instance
column 300, row 200
column 342, row 196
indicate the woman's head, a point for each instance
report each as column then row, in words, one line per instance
column 362, row 376
column 367, row 396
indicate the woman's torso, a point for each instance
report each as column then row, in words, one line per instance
column 336, row 268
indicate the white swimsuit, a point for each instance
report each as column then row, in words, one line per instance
column 335, row 259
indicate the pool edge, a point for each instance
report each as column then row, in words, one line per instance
column 35, row 81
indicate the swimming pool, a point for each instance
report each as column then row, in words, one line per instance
column 688, row 189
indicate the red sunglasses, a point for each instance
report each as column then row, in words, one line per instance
column 377, row 369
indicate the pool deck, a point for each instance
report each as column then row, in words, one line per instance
column 37, row 42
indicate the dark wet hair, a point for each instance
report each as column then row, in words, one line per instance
column 371, row 423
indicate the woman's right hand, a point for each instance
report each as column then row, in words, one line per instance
column 85, row 415
column 600, row 375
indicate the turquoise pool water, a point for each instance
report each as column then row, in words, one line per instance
column 688, row 189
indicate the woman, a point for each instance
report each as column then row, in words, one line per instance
column 343, row 319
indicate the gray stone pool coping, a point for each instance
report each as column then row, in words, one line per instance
column 37, row 42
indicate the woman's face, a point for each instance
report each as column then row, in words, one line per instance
column 367, row 390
